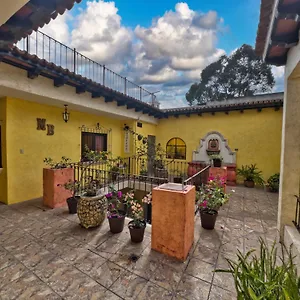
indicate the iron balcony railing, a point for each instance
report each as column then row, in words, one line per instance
column 45, row 47
column 297, row 213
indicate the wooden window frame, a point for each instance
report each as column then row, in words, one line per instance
column 175, row 147
column 93, row 134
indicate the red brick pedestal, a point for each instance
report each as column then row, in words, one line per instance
column 54, row 194
column 173, row 220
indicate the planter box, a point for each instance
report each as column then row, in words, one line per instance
column 173, row 220
column 55, row 195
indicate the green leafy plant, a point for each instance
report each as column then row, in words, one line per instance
column 263, row 277
column 73, row 186
column 178, row 173
column 216, row 156
column 143, row 172
column 251, row 173
column 65, row 162
column 273, row 182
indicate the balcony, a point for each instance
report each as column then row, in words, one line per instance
column 41, row 55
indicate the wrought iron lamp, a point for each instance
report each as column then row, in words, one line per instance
column 66, row 114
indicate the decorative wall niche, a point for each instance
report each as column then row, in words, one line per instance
column 214, row 143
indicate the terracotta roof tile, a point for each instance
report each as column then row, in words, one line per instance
column 38, row 13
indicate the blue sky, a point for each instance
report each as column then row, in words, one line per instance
column 240, row 16
column 160, row 44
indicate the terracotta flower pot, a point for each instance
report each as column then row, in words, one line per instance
column 217, row 163
column 136, row 233
column 208, row 220
column 72, row 204
column 116, row 224
column 91, row 211
column 249, row 183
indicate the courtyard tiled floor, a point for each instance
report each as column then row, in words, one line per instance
column 45, row 254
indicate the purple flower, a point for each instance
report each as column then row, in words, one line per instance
column 109, row 195
column 119, row 195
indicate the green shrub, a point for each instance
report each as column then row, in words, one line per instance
column 263, row 277
column 273, row 182
column 251, row 173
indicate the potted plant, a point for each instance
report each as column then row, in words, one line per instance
column 273, row 183
column 54, row 178
column 143, row 174
column 251, row 175
column 74, row 187
column 217, row 160
column 265, row 276
column 92, row 204
column 147, row 200
column 115, row 215
column 178, row 176
column 211, row 197
column 137, row 225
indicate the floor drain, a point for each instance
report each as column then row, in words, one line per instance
column 133, row 258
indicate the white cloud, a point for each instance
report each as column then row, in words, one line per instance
column 170, row 53
column 278, row 73
column 99, row 35
column 59, row 29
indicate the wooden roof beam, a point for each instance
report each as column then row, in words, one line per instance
column 80, row 89
column 289, row 8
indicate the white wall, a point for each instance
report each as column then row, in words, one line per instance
column 15, row 83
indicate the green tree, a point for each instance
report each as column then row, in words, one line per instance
column 240, row 74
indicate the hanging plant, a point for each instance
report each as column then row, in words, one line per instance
column 140, row 137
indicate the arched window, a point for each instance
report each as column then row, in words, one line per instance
column 176, row 149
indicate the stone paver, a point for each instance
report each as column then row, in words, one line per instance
column 45, row 254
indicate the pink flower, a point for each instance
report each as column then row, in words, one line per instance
column 204, row 204
column 119, row 195
column 109, row 195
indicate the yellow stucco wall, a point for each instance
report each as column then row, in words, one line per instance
column 25, row 170
column 3, row 175
column 256, row 135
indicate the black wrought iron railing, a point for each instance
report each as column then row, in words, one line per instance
column 131, row 173
column 45, row 47
column 174, row 170
column 297, row 213
column 198, row 178
column 120, row 180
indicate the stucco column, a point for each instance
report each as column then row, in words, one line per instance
column 290, row 154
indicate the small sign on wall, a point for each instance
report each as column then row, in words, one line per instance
column 41, row 125
column 127, row 142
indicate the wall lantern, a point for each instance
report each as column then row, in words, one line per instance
column 66, row 114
